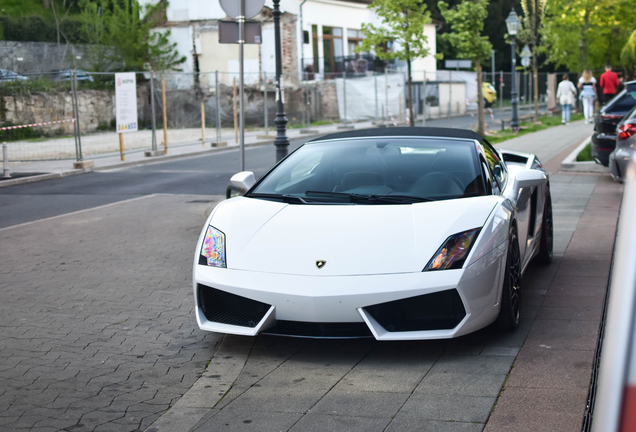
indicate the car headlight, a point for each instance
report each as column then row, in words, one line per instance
column 453, row 253
column 213, row 248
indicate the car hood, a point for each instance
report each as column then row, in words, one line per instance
column 274, row 237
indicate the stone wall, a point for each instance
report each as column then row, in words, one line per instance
column 97, row 107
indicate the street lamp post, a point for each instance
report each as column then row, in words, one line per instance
column 281, row 141
column 512, row 23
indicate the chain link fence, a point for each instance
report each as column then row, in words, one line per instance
column 202, row 108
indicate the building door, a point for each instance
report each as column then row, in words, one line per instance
column 333, row 50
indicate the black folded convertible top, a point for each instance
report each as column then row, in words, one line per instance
column 403, row 132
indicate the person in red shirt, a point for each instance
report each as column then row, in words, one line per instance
column 609, row 82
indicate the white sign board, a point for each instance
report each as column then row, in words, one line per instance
column 458, row 64
column 126, row 102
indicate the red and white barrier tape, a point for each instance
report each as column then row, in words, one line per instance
column 392, row 119
column 36, row 124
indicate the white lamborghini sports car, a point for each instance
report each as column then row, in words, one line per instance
column 393, row 233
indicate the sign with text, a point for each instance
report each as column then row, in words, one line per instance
column 126, row 102
column 458, row 64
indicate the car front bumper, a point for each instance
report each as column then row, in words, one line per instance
column 256, row 302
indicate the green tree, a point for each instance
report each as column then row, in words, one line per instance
column 628, row 54
column 582, row 34
column 467, row 23
column 125, row 35
column 403, row 23
column 533, row 15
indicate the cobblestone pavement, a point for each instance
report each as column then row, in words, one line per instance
column 364, row 385
column 97, row 331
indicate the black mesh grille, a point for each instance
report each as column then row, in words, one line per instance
column 321, row 330
column 438, row 311
column 225, row 308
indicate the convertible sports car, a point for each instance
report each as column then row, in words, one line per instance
column 394, row 233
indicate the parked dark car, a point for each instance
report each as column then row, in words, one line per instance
column 606, row 120
column 625, row 149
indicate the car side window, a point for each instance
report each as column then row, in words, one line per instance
column 497, row 167
column 487, row 176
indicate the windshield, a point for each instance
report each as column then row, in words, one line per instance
column 376, row 171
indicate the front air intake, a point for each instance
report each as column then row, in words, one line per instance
column 225, row 308
column 438, row 311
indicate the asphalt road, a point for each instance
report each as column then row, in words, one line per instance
column 200, row 175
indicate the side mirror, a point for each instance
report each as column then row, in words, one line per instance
column 243, row 180
column 529, row 178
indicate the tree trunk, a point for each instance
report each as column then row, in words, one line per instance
column 411, row 116
column 481, row 127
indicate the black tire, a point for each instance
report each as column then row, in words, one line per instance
column 547, row 236
column 508, row 318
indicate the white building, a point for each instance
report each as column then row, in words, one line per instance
column 319, row 37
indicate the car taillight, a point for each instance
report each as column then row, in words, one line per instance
column 628, row 414
column 626, row 130
column 610, row 117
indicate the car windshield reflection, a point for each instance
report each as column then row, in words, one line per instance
column 375, row 171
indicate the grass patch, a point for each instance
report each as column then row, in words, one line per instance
column 585, row 155
column 526, row 127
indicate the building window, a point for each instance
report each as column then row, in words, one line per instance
column 354, row 38
column 333, row 49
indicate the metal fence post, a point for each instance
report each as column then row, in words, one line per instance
column 450, row 96
column 77, row 118
column 265, row 113
column 386, row 92
column 344, row 92
column 375, row 85
column 218, row 107
column 500, row 92
column 5, row 161
column 424, row 109
column 152, row 108
column 77, row 157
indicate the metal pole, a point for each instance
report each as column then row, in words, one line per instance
column 73, row 96
column 425, row 110
column 152, row 108
column 450, row 96
column 5, row 161
column 165, row 117
column 265, row 113
column 241, row 21
column 344, row 95
column 202, row 124
column 281, row 141
column 77, row 119
column 375, row 85
column 514, row 122
column 492, row 64
column 218, row 107
column 386, row 92
column 500, row 92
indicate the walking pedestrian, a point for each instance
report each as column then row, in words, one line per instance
column 609, row 82
column 587, row 85
column 566, row 94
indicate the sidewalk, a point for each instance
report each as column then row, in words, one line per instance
column 547, row 383
column 62, row 168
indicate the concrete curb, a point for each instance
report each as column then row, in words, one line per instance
column 570, row 164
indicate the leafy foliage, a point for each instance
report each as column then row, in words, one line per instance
column 124, row 36
column 587, row 33
column 403, row 24
column 628, row 53
column 467, row 23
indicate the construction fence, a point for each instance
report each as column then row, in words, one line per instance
column 49, row 117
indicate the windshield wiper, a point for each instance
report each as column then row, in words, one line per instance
column 372, row 199
column 391, row 199
column 290, row 199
